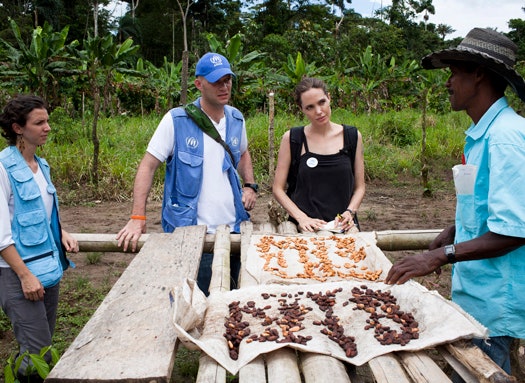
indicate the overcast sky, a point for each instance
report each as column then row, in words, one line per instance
column 461, row 15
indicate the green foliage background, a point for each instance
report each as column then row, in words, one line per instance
column 109, row 82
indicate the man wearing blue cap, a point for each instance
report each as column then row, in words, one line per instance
column 201, row 185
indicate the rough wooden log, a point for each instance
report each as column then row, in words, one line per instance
column 282, row 366
column 421, row 367
column 322, row 368
column 210, row 371
column 477, row 363
column 387, row 369
column 255, row 371
column 395, row 240
column 316, row 367
column 130, row 337
column 220, row 278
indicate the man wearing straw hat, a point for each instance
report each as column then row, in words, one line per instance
column 486, row 242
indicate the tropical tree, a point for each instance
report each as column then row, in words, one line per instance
column 296, row 69
column 443, row 30
column 103, row 57
column 517, row 34
column 184, row 11
column 372, row 77
column 162, row 82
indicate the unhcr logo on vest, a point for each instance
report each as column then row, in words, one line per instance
column 192, row 142
column 234, row 141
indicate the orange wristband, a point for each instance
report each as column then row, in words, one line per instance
column 141, row 217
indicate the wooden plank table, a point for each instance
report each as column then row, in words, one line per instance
column 130, row 337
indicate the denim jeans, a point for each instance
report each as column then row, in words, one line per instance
column 204, row 275
column 497, row 348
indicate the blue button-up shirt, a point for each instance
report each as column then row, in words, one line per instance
column 493, row 290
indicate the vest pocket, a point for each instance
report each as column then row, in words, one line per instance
column 46, row 268
column 178, row 216
column 189, row 171
column 33, row 230
column 27, row 190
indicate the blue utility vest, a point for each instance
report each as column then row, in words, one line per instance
column 184, row 170
column 37, row 241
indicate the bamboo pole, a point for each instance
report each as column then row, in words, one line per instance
column 209, row 369
column 390, row 240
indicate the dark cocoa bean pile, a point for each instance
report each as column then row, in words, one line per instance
column 333, row 329
column 284, row 327
column 384, row 305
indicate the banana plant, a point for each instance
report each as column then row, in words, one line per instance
column 296, row 69
column 37, row 67
column 370, row 77
column 165, row 81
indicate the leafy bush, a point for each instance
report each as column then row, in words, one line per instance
column 38, row 364
column 398, row 131
column 136, row 99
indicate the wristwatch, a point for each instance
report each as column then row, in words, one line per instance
column 450, row 252
column 255, row 187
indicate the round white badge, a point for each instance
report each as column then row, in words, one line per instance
column 311, row 162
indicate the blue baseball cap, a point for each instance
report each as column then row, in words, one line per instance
column 213, row 66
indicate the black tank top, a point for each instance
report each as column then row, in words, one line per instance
column 325, row 183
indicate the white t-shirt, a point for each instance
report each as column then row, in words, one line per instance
column 7, row 206
column 215, row 206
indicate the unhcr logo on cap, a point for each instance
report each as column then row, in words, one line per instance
column 216, row 60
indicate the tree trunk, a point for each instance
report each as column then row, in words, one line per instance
column 94, row 135
column 95, row 18
column 184, row 78
column 427, row 192
column 185, row 53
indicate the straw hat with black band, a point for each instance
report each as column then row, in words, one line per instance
column 486, row 47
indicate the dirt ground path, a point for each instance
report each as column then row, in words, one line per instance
column 384, row 208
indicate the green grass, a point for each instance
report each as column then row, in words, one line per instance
column 392, row 144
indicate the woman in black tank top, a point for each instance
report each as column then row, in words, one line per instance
column 320, row 169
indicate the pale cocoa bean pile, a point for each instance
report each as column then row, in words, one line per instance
column 316, row 258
